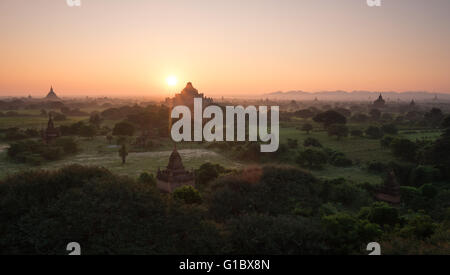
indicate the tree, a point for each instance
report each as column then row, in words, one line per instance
column 123, row 129
column 356, row 133
column 390, row 129
column 338, row 130
column 95, row 120
column 208, row 172
column 404, row 148
column 307, row 127
column 312, row 142
column 375, row 114
column 312, row 158
column 330, row 117
column 187, row 194
column 434, row 117
column 123, row 153
column 374, row 132
column 88, row 131
column 109, row 138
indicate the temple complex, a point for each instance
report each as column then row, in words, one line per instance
column 186, row 97
column 175, row 175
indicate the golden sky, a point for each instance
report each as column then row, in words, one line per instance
column 229, row 48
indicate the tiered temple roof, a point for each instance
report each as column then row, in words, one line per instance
column 175, row 175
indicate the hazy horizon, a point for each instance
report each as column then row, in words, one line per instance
column 254, row 47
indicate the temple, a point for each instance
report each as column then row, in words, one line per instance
column 51, row 132
column 186, row 97
column 380, row 102
column 390, row 191
column 52, row 95
column 175, row 175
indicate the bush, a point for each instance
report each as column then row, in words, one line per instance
column 424, row 174
column 187, row 194
column 208, row 172
column 312, row 142
column 380, row 213
column 312, row 158
column 390, row 129
column 123, row 129
column 374, row 132
column 404, row 149
column 356, row 133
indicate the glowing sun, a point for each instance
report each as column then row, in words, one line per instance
column 172, row 80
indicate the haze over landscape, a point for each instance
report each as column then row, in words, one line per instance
column 228, row 48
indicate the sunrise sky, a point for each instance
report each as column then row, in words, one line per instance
column 225, row 47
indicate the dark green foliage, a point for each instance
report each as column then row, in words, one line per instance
column 258, row 234
column 312, row 158
column 346, row 234
column 292, row 143
column 404, row 149
column 147, row 179
column 389, row 129
column 337, row 130
column 356, row 133
column 187, row 194
column 380, row 213
column 386, row 141
column 35, row 152
column 105, row 213
column 312, row 142
column 307, row 127
column 123, row 129
column 424, row 174
column 330, row 117
column 235, row 195
column 374, row 132
column 208, row 172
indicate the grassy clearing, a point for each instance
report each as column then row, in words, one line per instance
column 34, row 121
column 99, row 153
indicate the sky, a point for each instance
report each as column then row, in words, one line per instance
column 225, row 48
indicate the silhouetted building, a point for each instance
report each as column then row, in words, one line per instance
column 50, row 132
column 390, row 191
column 52, row 95
column 186, row 97
column 175, row 175
column 380, row 102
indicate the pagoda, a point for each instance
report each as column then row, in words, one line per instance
column 175, row 175
column 390, row 191
column 52, row 95
column 380, row 102
column 51, row 132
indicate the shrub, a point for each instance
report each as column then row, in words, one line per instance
column 312, row 158
column 374, row 132
column 187, row 194
column 312, row 142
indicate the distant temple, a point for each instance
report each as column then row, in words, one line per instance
column 380, row 102
column 175, row 175
column 390, row 191
column 51, row 132
column 186, row 97
column 51, row 94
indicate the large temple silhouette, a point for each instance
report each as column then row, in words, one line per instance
column 175, row 175
column 52, row 95
column 186, row 97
